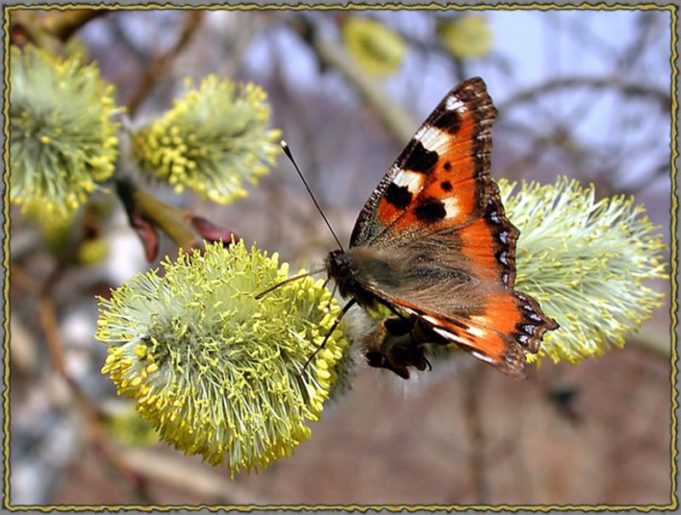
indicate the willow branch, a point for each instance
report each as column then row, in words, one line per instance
column 163, row 62
column 656, row 343
column 189, row 476
column 474, row 424
column 397, row 121
column 142, row 206
column 661, row 97
column 50, row 329
column 172, row 220
column 63, row 24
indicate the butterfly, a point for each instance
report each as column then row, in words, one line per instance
column 434, row 246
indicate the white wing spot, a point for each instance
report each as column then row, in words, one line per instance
column 482, row 320
column 453, row 104
column 449, row 336
column 451, row 207
column 419, row 133
column 475, row 331
column 482, row 356
column 432, row 138
column 412, row 180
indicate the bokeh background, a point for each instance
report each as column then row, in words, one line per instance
column 580, row 93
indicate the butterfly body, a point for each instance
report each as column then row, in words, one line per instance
column 433, row 244
column 361, row 269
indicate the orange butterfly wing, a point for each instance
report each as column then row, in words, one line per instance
column 510, row 324
column 442, row 176
column 437, row 218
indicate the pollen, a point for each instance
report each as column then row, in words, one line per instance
column 63, row 107
column 216, row 363
column 214, row 139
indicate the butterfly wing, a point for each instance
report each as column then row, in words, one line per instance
column 443, row 169
column 433, row 238
column 500, row 331
column 444, row 279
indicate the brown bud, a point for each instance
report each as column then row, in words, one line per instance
column 211, row 232
column 147, row 233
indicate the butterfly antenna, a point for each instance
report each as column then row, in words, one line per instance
column 287, row 151
column 286, row 281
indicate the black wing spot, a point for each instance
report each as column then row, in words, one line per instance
column 448, row 121
column 398, row 196
column 446, row 185
column 430, row 210
column 419, row 158
column 447, row 166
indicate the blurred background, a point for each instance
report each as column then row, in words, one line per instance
column 580, row 93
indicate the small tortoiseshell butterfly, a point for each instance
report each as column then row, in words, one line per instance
column 433, row 244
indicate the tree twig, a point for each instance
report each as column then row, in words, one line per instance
column 50, row 329
column 179, row 473
column 652, row 342
column 473, row 415
column 63, row 24
column 143, row 207
column 163, row 62
column 627, row 88
column 398, row 122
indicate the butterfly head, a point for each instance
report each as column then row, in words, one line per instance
column 339, row 265
column 340, row 268
column 345, row 267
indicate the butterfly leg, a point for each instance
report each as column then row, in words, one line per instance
column 399, row 349
column 340, row 316
column 417, row 336
column 420, row 361
column 333, row 292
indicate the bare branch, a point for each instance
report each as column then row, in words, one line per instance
column 163, row 62
column 661, row 97
column 398, row 122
